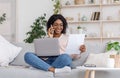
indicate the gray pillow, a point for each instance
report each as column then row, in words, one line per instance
column 19, row 60
column 80, row 61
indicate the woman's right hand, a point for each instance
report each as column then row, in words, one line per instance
column 51, row 32
column 75, row 56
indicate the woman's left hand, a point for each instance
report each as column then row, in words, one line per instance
column 82, row 48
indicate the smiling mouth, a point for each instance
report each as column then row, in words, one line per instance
column 58, row 30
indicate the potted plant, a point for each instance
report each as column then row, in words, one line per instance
column 116, row 1
column 80, row 30
column 114, row 46
column 56, row 6
column 37, row 30
column 2, row 18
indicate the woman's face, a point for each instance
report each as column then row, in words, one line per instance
column 58, row 26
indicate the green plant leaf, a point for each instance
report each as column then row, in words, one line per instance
column 56, row 6
column 2, row 18
column 113, row 45
column 37, row 29
column 117, row 47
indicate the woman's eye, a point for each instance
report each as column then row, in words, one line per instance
column 56, row 25
column 61, row 25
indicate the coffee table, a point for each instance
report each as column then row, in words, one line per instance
column 90, row 71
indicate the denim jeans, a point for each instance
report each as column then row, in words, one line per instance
column 56, row 62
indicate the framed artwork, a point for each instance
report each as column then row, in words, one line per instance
column 8, row 27
column 91, row 1
column 116, row 1
column 77, row 2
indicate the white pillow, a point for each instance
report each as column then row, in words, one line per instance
column 99, row 59
column 8, row 51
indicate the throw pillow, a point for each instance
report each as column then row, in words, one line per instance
column 8, row 51
column 80, row 61
column 99, row 59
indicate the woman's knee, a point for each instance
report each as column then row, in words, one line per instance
column 28, row 55
column 66, row 57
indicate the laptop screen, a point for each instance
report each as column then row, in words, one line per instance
column 47, row 46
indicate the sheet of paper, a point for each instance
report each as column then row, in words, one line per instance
column 74, row 42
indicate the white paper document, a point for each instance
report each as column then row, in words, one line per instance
column 74, row 42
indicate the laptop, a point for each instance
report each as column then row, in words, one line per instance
column 47, row 46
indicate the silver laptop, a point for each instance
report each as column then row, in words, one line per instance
column 47, row 46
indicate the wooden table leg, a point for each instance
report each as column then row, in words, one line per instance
column 92, row 75
column 87, row 72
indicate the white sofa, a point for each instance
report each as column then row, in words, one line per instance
column 19, row 69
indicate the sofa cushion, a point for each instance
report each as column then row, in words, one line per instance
column 99, row 59
column 8, row 51
column 19, row 60
column 21, row 72
column 80, row 61
column 75, row 73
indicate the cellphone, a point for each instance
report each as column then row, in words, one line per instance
column 89, row 65
column 52, row 30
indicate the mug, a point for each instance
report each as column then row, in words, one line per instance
column 110, row 62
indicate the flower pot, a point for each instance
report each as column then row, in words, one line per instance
column 110, row 62
column 117, row 60
column 84, row 18
column 77, row 2
column 80, row 31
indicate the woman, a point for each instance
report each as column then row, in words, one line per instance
column 56, row 28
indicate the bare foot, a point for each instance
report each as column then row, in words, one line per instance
column 52, row 69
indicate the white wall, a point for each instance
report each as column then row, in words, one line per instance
column 7, row 29
column 27, row 12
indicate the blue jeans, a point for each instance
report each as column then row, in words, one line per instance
column 56, row 62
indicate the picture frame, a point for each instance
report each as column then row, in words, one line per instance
column 77, row 2
column 91, row 1
column 116, row 1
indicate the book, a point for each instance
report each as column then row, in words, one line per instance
column 95, row 16
column 92, row 17
column 98, row 17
